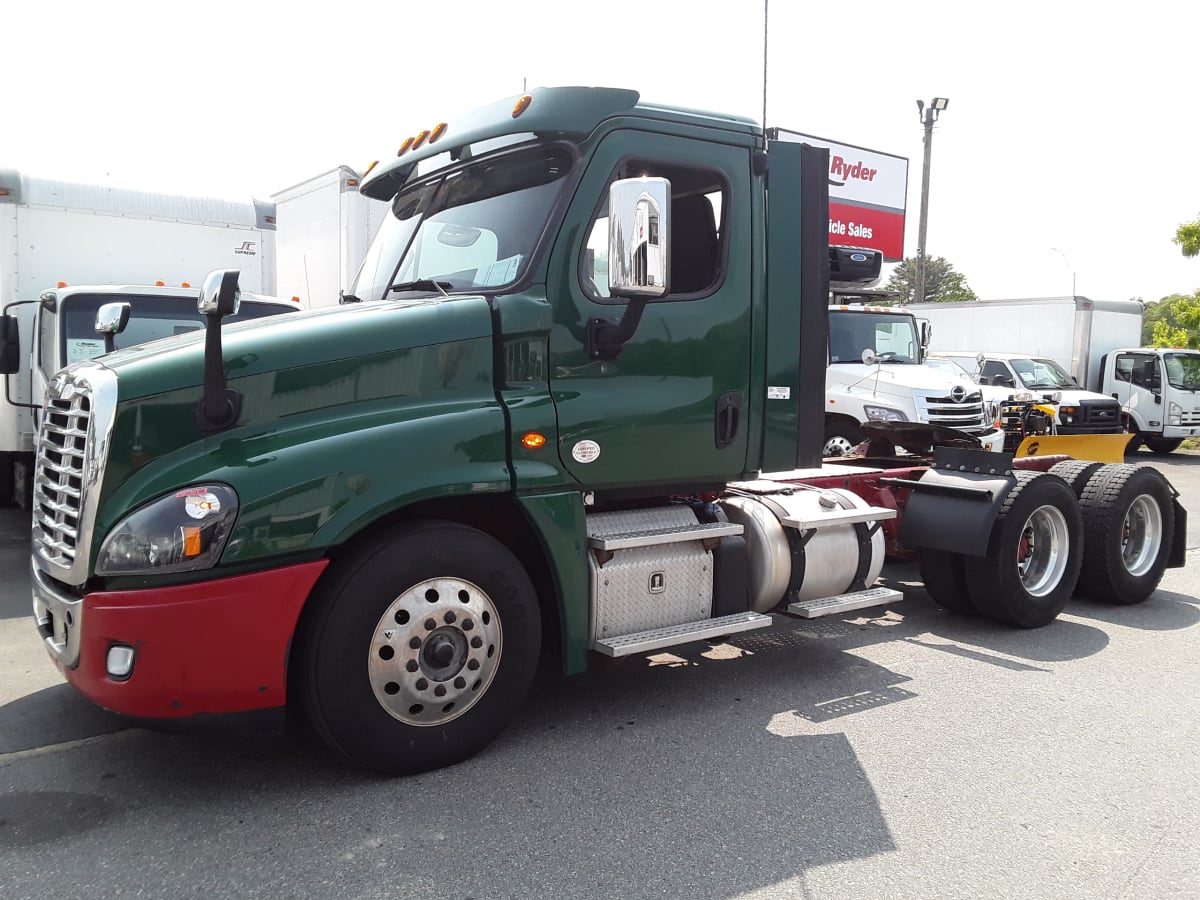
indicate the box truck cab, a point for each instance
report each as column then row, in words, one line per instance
column 1079, row 411
column 1157, row 387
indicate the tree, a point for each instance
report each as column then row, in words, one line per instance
column 1187, row 236
column 942, row 283
column 1173, row 322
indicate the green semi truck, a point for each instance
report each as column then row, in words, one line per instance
column 543, row 423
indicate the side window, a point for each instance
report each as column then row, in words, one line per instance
column 996, row 373
column 697, row 249
column 1145, row 372
column 1123, row 368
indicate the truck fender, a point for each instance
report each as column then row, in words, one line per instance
column 955, row 503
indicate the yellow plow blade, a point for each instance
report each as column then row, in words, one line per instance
column 1106, row 448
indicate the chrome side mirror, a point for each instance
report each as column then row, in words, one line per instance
column 112, row 318
column 220, row 295
column 639, row 240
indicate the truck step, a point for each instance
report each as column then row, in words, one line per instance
column 841, row 517
column 840, row 603
column 654, row 537
column 657, row 638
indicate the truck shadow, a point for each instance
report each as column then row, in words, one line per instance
column 1162, row 611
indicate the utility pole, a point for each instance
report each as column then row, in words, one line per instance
column 927, row 115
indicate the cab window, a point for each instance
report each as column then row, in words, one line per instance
column 994, row 372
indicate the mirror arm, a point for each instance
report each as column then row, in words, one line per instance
column 219, row 407
column 606, row 339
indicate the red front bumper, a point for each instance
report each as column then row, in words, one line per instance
column 209, row 648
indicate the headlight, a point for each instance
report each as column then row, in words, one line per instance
column 181, row 532
column 1174, row 413
column 1021, row 397
column 884, row 414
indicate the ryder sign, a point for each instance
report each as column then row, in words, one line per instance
column 867, row 194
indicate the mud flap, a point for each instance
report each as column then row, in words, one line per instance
column 954, row 505
column 1105, row 448
column 1179, row 539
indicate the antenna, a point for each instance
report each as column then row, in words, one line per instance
column 766, row 8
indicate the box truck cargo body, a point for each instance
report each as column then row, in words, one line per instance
column 1075, row 332
column 55, row 234
column 325, row 228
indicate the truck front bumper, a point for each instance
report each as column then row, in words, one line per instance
column 1180, row 431
column 213, row 647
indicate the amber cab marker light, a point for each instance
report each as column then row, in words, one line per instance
column 62, row 284
column 160, row 284
column 420, row 139
column 404, row 147
column 522, row 105
column 438, row 130
column 533, row 441
column 186, row 284
column 370, row 167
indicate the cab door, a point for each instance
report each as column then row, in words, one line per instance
column 670, row 407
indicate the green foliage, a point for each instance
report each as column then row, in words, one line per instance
column 942, row 283
column 1173, row 322
column 1187, row 236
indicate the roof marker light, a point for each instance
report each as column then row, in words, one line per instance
column 369, row 168
column 420, row 139
column 438, row 130
column 404, row 147
column 522, row 105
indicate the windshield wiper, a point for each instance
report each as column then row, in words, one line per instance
column 423, row 284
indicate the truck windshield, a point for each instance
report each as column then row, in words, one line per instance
column 150, row 318
column 892, row 337
column 1042, row 373
column 471, row 228
column 1183, row 370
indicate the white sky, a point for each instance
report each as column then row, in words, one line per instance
column 1071, row 125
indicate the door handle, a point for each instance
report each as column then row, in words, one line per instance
column 728, row 418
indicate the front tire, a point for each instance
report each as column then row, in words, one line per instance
column 1163, row 446
column 418, row 647
column 1129, row 521
column 841, row 436
column 1034, row 554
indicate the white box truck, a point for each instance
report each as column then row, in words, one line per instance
column 60, row 236
column 1075, row 332
column 325, row 229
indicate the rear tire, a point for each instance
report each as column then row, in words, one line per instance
column 1076, row 473
column 418, row 647
column 1129, row 527
column 1163, row 446
column 946, row 581
column 1034, row 554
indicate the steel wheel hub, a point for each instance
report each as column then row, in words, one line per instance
column 1141, row 535
column 434, row 651
column 1042, row 551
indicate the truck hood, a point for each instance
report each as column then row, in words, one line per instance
column 893, row 380
column 300, row 339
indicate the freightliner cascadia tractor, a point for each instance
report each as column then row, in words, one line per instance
column 577, row 410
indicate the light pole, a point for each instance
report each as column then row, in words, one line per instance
column 928, row 115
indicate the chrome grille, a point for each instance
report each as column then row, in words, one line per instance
column 966, row 414
column 58, row 479
column 72, row 447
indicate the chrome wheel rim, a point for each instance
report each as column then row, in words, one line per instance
column 435, row 651
column 1141, row 535
column 837, row 446
column 1042, row 550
